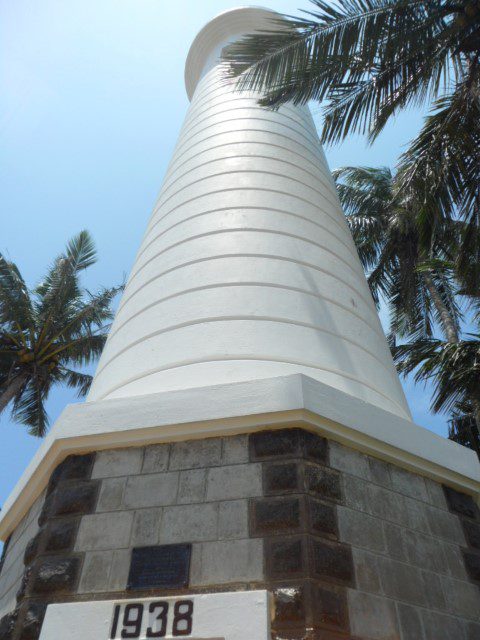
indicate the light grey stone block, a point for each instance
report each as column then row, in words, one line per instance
column 433, row 589
column 394, row 538
column 417, row 516
column 111, row 494
column 146, row 527
column 192, row 486
column 366, row 571
column 225, row 562
column 233, row 519
column 118, row 462
column 102, row 531
column 454, row 561
column 463, row 598
column 472, row 631
column 436, row 495
column 95, row 572
column 425, row 552
column 360, row 529
column 410, row 619
column 235, row 449
column 372, row 616
column 120, row 569
column 156, row 458
column 442, row 627
column 236, row 481
column 153, row 490
column 357, row 493
column 194, row 454
column 445, row 525
column 348, row 460
column 387, row 505
column 379, row 472
column 401, row 581
column 408, row 483
column 189, row 523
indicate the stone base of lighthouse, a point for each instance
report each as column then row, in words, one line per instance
column 345, row 543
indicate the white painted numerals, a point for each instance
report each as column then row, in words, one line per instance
column 152, row 619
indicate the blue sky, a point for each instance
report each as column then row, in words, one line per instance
column 91, row 104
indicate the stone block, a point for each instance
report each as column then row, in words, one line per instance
column 54, row 575
column 425, row 552
column 235, row 449
column 156, row 458
column 315, row 448
column 329, row 607
column 104, row 531
column 281, row 443
column 194, row 454
column 111, row 494
column 276, row 515
column 410, row 621
column 436, row 495
column 387, row 505
column 189, row 523
column 227, row 562
column 191, row 486
column 118, row 578
column 366, row 571
column 417, row 515
column 7, row 625
column 461, row 503
column 472, row 564
column 146, row 527
column 349, row 461
column 357, row 493
column 283, row 477
column 379, row 472
column 454, row 561
column 472, row 630
column 322, row 518
column 70, row 499
column 408, row 483
column 395, row 541
column 118, row 462
column 472, row 533
column 285, row 557
column 234, row 482
column 289, row 607
column 442, row 627
column 445, row 525
column 463, row 598
column 30, row 620
column 332, row 561
column 233, row 519
column 323, row 482
column 372, row 617
column 60, row 535
column 72, row 468
column 433, row 589
column 153, row 490
column 360, row 529
column 95, row 572
column 401, row 581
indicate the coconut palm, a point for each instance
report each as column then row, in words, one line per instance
column 47, row 332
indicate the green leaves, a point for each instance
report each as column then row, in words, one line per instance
column 46, row 332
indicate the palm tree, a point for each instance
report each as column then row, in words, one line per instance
column 46, row 331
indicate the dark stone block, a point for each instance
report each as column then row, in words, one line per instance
column 329, row 607
column 332, row 561
column 7, row 625
column 285, row 557
column 60, row 535
column 275, row 444
column 163, row 566
column 461, row 503
column 72, row 468
column 32, row 548
column 322, row 518
column 24, row 583
column 275, row 515
column 54, row 575
column 472, row 533
column 472, row 564
column 289, row 604
column 281, row 478
column 31, row 616
column 315, row 447
column 323, row 482
column 77, row 498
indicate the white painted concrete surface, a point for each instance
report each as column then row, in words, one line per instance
column 217, row 616
column 247, row 269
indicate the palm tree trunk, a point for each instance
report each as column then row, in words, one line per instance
column 11, row 391
column 448, row 323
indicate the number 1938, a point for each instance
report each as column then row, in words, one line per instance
column 152, row 619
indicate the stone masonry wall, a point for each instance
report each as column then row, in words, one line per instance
column 351, row 547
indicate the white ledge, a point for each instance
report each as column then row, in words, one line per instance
column 237, row 408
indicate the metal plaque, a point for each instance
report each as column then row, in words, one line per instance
column 166, row 566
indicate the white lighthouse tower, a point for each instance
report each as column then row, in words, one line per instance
column 245, row 465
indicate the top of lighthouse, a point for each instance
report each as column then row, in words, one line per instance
column 210, row 40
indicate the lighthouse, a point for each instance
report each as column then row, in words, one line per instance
column 245, row 465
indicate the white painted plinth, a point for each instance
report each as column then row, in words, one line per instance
column 216, row 616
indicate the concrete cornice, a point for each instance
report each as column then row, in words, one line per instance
column 235, row 408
